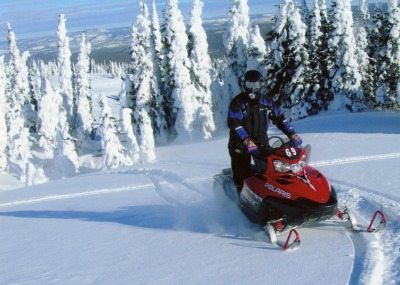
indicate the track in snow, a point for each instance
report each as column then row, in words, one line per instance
column 376, row 259
column 355, row 159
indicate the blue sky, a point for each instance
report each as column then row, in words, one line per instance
column 39, row 17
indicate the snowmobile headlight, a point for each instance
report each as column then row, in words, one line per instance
column 296, row 168
column 281, row 166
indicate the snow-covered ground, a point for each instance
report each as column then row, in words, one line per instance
column 162, row 223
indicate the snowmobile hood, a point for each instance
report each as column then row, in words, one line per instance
column 311, row 185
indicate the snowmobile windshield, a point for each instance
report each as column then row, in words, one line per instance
column 277, row 142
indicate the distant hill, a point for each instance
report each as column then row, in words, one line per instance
column 113, row 44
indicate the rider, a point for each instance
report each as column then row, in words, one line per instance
column 248, row 120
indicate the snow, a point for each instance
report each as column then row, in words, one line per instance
column 162, row 223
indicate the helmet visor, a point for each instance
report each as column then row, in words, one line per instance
column 253, row 85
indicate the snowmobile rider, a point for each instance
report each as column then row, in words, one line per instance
column 249, row 116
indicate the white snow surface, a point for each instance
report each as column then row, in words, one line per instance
column 162, row 222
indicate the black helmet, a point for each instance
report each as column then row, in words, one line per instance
column 252, row 76
column 252, row 82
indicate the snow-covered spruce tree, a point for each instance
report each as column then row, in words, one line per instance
column 236, row 43
column 368, row 83
column 393, row 54
column 127, row 136
column 203, row 123
column 3, row 125
column 143, row 87
column 35, row 85
column 181, row 89
column 156, row 99
column 49, row 107
column 19, row 146
column 378, row 39
column 113, row 152
column 304, row 11
column 315, row 47
column 158, row 49
column 257, row 51
column 288, row 60
column 345, row 74
column 66, row 159
column 56, row 144
column 326, row 56
column 305, row 16
column 65, row 68
column 321, row 58
column 159, row 100
column 19, row 82
column 217, row 90
column 84, row 117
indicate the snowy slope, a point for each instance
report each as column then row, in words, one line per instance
column 162, row 223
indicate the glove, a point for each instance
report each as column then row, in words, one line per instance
column 296, row 140
column 251, row 147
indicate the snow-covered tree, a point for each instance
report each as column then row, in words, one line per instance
column 35, row 85
column 201, row 63
column 219, row 102
column 158, row 48
column 143, row 86
column 393, row 53
column 143, row 63
column 345, row 74
column 127, row 136
column 19, row 82
column 113, row 152
column 257, row 51
column 368, row 83
column 84, row 117
column 19, row 146
column 49, row 107
column 321, row 58
column 144, row 131
column 55, row 141
column 182, row 90
column 315, row 47
column 378, row 39
column 65, row 68
column 66, row 159
column 160, row 101
column 288, row 61
column 3, row 125
column 236, row 43
column 304, row 11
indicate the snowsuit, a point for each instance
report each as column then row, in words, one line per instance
column 250, row 118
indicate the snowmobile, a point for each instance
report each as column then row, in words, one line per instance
column 289, row 193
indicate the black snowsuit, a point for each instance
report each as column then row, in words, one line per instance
column 250, row 118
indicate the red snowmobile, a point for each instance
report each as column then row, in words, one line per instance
column 288, row 194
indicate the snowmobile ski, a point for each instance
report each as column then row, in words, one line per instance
column 291, row 242
column 375, row 225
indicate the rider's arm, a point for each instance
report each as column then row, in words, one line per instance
column 281, row 122
column 235, row 119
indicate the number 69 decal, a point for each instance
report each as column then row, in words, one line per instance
column 290, row 151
